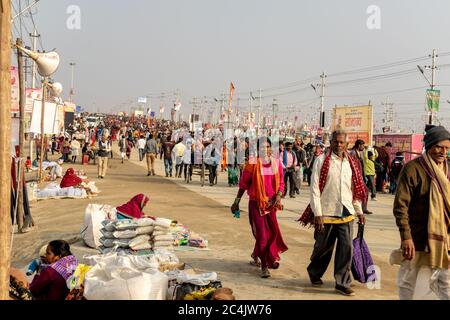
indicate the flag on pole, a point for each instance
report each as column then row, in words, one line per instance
column 231, row 97
column 433, row 97
column 177, row 106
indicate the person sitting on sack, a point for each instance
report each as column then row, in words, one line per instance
column 70, row 179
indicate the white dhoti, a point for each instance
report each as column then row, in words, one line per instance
column 418, row 281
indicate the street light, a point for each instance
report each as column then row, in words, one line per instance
column 423, row 73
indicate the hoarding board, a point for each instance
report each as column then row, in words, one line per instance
column 410, row 144
column 356, row 121
column 15, row 89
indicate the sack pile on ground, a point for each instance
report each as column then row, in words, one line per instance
column 162, row 237
column 138, row 262
column 52, row 190
column 138, row 234
column 127, row 233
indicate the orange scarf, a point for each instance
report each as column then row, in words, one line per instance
column 258, row 180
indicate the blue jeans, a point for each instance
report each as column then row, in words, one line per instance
column 168, row 166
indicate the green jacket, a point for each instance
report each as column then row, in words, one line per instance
column 369, row 165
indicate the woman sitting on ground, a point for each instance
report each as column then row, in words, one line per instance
column 70, row 179
column 133, row 208
column 50, row 284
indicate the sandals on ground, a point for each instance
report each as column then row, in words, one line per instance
column 265, row 273
column 255, row 262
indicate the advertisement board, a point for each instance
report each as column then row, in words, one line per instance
column 31, row 95
column 410, row 144
column 14, row 89
column 52, row 118
column 357, row 121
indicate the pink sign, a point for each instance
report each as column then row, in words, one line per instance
column 410, row 144
column 14, row 89
column 30, row 96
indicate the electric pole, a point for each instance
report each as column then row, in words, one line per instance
column 259, row 109
column 237, row 110
column 34, row 35
column 194, row 109
column 72, row 65
column 322, row 100
column 5, row 147
column 20, row 164
column 274, row 106
column 388, row 116
column 222, row 107
column 433, row 74
column 162, row 98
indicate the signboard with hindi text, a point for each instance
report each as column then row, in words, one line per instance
column 356, row 121
column 410, row 144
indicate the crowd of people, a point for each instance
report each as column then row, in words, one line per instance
column 339, row 186
column 340, row 181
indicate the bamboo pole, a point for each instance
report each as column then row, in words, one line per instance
column 20, row 168
column 5, row 146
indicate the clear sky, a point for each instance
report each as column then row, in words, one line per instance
column 128, row 49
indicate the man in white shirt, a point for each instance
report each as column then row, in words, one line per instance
column 335, row 202
column 141, row 146
column 178, row 153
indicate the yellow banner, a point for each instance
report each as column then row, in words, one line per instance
column 356, row 121
column 69, row 106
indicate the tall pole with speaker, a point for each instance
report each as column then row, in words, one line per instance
column 47, row 64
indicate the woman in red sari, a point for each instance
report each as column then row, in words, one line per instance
column 70, row 179
column 263, row 180
column 133, row 209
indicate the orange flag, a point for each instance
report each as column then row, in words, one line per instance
column 231, row 97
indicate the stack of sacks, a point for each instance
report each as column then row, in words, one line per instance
column 127, row 234
column 162, row 237
column 53, row 190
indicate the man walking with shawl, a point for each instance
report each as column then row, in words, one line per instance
column 337, row 190
column 263, row 179
column 421, row 210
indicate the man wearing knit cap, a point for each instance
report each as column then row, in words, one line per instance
column 421, row 210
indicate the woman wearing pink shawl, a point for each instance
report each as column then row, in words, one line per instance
column 133, row 208
column 264, row 183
